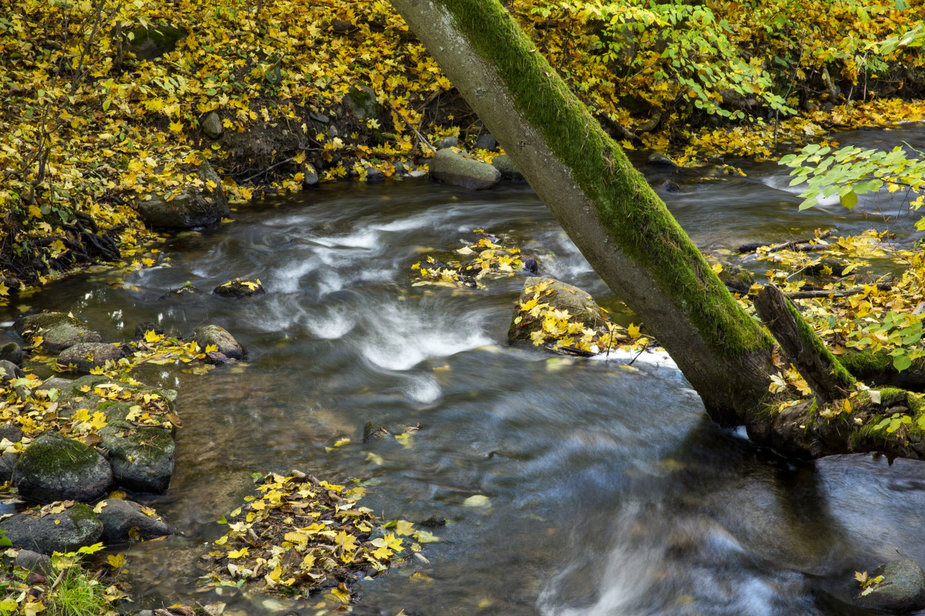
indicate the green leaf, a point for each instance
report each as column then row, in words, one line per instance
column 901, row 362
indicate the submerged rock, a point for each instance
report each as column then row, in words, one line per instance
column 506, row 167
column 196, row 205
column 901, row 590
column 238, row 288
column 58, row 468
column 142, row 457
column 128, row 521
column 209, row 335
column 455, row 169
column 85, row 356
column 63, row 531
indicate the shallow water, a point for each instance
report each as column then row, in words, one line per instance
column 610, row 491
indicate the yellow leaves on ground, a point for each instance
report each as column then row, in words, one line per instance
column 299, row 533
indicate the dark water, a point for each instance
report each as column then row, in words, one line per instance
column 610, row 492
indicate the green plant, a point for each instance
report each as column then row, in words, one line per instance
column 852, row 171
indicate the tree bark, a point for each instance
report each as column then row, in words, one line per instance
column 617, row 221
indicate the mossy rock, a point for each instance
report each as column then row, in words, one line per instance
column 10, row 350
column 29, row 325
column 85, row 356
column 58, row 468
column 64, row 531
column 194, row 206
column 9, row 371
column 507, row 168
column 72, row 397
column 64, row 335
column 455, row 169
column 142, row 457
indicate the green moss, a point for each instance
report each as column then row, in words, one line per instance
column 631, row 211
column 78, row 512
column 863, row 364
column 52, row 454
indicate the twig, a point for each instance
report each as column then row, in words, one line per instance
column 268, row 169
column 802, row 245
column 420, row 137
column 817, row 293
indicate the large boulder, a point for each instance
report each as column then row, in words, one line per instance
column 198, row 204
column 128, row 521
column 85, row 356
column 901, row 589
column 58, row 468
column 214, row 335
column 552, row 294
column 453, row 168
column 142, row 457
column 58, row 531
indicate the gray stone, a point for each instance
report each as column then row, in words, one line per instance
column 211, row 125
column 194, row 206
column 57, row 468
column 7, row 464
column 486, row 141
column 66, row 531
column 505, row 165
column 452, row 168
column 208, row 335
column 54, row 383
column 11, row 432
column 126, row 521
column 84, row 356
column 34, row 562
column 9, row 371
column 660, row 160
column 310, row 175
column 373, row 175
column 142, row 457
column 65, row 335
column 151, row 41
column 561, row 296
column 901, row 590
column 448, row 142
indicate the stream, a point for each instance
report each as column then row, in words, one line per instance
column 608, row 490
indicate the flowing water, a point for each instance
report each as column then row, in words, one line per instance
column 610, row 491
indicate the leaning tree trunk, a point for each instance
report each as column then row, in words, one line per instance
column 617, row 221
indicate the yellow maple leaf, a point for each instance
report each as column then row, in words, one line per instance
column 153, row 336
column 633, row 331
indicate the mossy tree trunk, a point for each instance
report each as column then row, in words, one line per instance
column 627, row 234
column 606, row 207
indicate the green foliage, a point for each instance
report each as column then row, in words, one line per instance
column 77, row 594
column 851, row 171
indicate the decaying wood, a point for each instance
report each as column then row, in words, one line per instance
column 827, row 378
